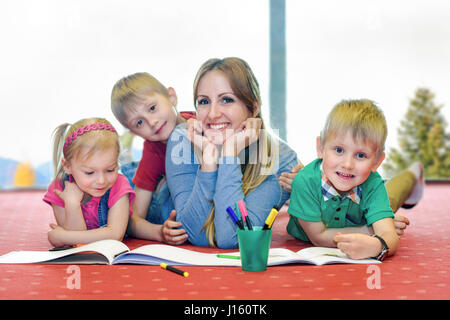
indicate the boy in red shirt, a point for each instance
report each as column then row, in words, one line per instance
column 147, row 108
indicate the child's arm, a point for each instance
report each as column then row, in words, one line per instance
column 140, row 228
column 400, row 223
column 115, row 229
column 321, row 236
column 170, row 232
column 358, row 246
column 286, row 178
column 70, row 217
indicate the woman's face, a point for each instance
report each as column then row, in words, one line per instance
column 218, row 108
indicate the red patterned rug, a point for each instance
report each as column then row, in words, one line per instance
column 420, row 269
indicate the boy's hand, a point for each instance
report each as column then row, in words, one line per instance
column 286, row 178
column 71, row 194
column 358, row 245
column 170, row 233
column 400, row 224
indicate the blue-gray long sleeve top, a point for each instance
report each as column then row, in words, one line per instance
column 194, row 192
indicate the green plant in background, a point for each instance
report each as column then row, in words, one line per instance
column 422, row 137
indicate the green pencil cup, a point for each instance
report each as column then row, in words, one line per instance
column 254, row 248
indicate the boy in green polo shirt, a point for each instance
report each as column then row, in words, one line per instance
column 339, row 199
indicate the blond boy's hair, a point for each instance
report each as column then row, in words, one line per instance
column 362, row 118
column 132, row 90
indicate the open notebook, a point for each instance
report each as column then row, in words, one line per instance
column 116, row 252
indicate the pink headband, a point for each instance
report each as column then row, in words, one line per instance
column 89, row 127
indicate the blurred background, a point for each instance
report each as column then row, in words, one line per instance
column 60, row 60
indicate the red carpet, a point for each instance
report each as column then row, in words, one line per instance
column 420, row 270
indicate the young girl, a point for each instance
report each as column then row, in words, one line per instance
column 229, row 126
column 90, row 200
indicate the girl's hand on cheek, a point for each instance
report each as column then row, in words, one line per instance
column 72, row 194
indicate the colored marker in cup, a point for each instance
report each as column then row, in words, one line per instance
column 244, row 213
column 233, row 216
column 270, row 219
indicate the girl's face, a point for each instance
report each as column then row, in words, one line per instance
column 218, row 108
column 96, row 174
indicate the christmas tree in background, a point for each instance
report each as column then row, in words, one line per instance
column 422, row 137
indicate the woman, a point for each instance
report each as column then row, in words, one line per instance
column 224, row 156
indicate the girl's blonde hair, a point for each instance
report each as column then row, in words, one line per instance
column 245, row 86
column 362, row 118
column 88, row 142
column 131, row 90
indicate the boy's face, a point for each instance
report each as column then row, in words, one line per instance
column 154, row 118
column 347, row 162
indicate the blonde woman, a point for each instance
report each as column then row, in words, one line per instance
column 224, row 156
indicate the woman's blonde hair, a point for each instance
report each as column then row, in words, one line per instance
column 362, row 118
column 131, row 90
column 88, row 142
column 245, row 86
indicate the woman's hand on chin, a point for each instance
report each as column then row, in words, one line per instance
column 245, row 135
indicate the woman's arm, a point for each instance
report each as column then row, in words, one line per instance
column 258, row 202
column 192, row 190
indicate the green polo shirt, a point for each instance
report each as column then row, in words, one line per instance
column 307, row 203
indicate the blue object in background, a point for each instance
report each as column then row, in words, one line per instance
column 7, row 169
column 43, row 172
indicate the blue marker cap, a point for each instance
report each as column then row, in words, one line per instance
column 234, row 217
column 232, row 214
